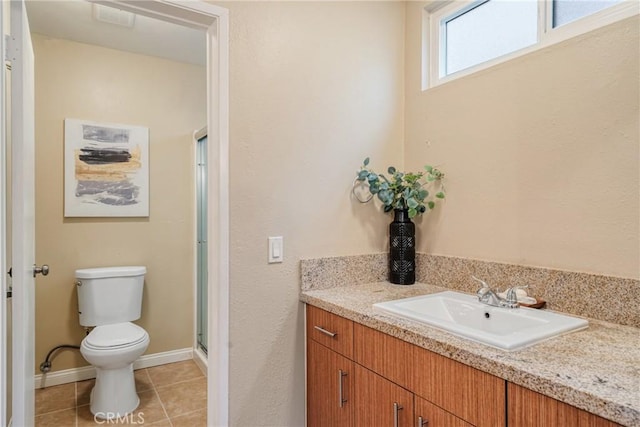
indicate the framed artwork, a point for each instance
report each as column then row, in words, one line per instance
column 106, row 170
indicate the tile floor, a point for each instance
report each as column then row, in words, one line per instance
column 172, row 395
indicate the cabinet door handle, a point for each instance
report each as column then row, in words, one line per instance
column 422, row 422
column 324, row 331
column 341, row 399
column 396, row 408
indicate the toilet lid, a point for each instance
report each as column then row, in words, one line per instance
column 116, row 335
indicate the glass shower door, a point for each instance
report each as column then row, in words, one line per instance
column 201, row 196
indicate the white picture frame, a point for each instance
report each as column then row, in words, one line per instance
column 106, row 169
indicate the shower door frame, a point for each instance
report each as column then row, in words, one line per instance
column 201, row 229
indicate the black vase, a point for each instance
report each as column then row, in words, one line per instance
column 402, row 244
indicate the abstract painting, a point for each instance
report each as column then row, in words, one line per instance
column 106, row 169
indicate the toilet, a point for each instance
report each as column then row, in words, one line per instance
column 109, row 299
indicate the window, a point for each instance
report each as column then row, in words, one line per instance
column 465, row 37
column 565, row 11
column 485, row 31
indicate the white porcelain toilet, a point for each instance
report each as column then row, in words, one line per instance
column 110, row 299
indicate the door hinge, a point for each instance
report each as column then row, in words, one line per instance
column 9, row 48
column 10, row 288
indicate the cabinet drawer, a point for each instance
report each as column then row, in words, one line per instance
column 330, row 330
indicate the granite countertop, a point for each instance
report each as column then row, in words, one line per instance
column 596, row 369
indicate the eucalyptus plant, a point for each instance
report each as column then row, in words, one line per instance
column 404, row 190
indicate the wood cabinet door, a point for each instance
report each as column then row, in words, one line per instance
column 430, row 415
column 381, row 403
column 527, row 408
column 472, row 395
column 330, row 391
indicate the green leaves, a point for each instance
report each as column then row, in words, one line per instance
column 403, row 190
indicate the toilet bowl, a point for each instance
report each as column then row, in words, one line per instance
column 112, row 349
column 109, row 299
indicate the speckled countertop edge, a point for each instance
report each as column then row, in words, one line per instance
column 597, row 369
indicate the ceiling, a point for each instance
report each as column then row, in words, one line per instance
column 73, row 20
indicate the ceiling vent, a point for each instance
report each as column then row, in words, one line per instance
column 118, row 17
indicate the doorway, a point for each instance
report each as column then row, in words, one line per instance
column 215, row 21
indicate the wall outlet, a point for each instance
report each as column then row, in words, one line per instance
column 276, row 249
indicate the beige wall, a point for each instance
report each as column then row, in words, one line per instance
column 541, row 154
column 315, row 88
column 81, row 81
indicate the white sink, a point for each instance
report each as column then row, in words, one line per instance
column 464, row 315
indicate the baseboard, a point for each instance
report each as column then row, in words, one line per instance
column 200, row 357
column 88, row 372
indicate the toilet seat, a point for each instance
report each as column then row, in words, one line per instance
column 117, row 335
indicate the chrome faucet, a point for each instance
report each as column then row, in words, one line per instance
column 488, row 296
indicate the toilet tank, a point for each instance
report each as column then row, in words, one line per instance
column 109, row 295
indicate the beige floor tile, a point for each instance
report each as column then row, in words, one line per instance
column 85, row 417
column 174, row 372
column 55, row 398
column 193, row 419
column 149, row 411
column 143, row 382
column 83, row 392
column 184, row 397
column 64, row 418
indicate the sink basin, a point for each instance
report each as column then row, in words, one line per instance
column 464, row 315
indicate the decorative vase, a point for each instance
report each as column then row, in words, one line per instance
column 402, row 245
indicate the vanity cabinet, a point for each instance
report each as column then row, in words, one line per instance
column 528, row 408
column 358, row 376
column 362, row 377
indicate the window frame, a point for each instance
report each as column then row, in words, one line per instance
column 434, row 23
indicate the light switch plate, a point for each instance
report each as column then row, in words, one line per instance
column 276, row 249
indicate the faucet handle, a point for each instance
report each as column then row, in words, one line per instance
column 485, row 289
column 482, row 282
column 512, row 296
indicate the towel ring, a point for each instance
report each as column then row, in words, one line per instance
column 357, row 183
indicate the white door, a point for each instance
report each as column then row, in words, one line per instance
column 23, row 216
